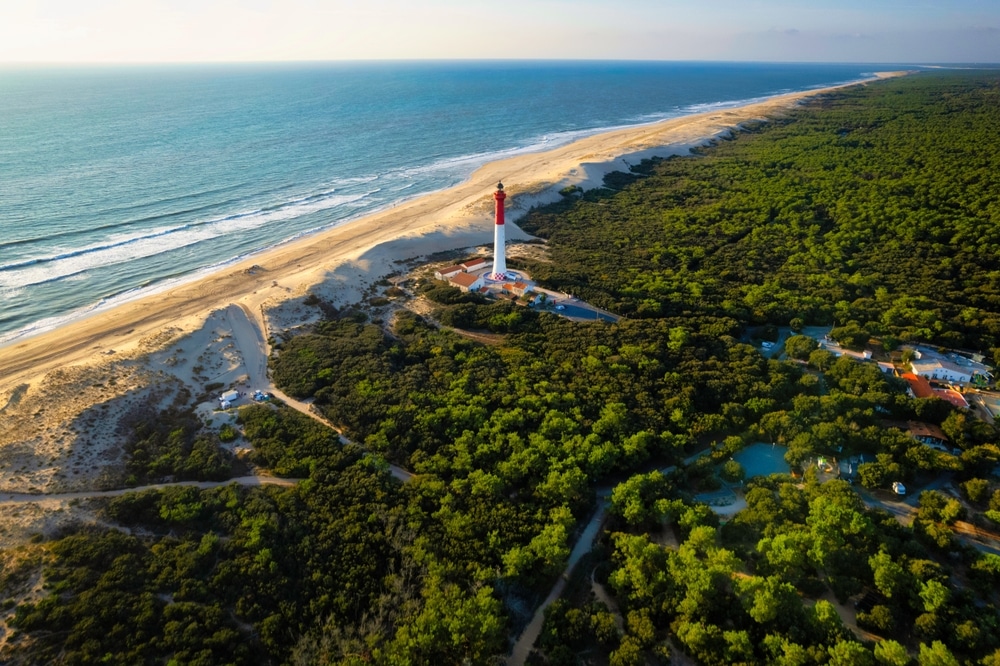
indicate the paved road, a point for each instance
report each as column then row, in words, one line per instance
column 249, row 339
column 905, row 510
column 259, row 480
column 980, row 407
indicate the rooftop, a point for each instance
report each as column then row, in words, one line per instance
column 932, row 364
column 954, row 397
column 921, row 388
column 465, row 280
column 918, row 429
column 919, row 385
column 474, row 263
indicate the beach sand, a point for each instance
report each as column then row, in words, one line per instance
column 64, row 393
column 67, row 395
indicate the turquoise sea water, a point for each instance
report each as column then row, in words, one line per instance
column 118, row 180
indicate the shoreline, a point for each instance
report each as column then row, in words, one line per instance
column 540, row 146
column 336, row 262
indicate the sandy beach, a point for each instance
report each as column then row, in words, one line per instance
column 63, row 392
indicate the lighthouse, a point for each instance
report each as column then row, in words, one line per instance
column 499, row 238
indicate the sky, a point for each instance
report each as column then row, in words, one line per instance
column 871, row 31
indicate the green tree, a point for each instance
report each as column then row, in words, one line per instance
column 821, row 359
column 453, row 627
column 975, row 490
column 732, row 471
column 891, row 653
column 800, row 346
column 890, row 578
column 936, row 654
column 849, row 653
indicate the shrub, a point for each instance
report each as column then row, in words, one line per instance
column 732, row 471
column 975, row 490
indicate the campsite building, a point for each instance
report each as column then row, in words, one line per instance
column 941, row 369
column 927, row 433
column 227, row 399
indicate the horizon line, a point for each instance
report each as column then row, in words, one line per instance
column 138, row 63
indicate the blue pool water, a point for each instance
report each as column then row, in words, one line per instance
column 762, row 459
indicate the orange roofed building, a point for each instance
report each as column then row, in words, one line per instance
column 467, row 281
column 475, row 264
column 927, row 433
column 448, row 271
column 921, row 388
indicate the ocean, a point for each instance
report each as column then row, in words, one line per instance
column 117, row 181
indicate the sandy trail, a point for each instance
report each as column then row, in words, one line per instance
column 55, row 498
column 247, row 333
column 248, row 336
column 583, row 545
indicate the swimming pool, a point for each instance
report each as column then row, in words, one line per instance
column 762, row 459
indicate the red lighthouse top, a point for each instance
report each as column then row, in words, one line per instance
column 499, row 196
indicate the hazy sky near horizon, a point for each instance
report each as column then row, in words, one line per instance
column 899, row 31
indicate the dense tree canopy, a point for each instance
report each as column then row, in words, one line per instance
column 876, row 208
column 873, row 209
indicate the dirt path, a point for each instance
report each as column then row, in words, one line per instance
column 849, row 618
column 583, row 546
column 249, row 339
column 27, row 498
column 602, row 595
column 904, row 512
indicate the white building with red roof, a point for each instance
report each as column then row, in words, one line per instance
column 448, row 271
column 475, row 264
column 467, row 281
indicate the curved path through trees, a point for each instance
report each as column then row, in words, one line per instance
column 522, row 648
column 258, row 480
column 248, row 334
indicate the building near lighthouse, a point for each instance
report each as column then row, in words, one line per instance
column 475, row 275
column 499, row 272
column 474, row 265
column 467, row 281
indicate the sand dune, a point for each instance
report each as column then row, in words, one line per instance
column 62, row 391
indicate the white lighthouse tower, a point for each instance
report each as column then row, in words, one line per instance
column 499, row 238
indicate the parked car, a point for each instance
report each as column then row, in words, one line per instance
column 898, row 488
